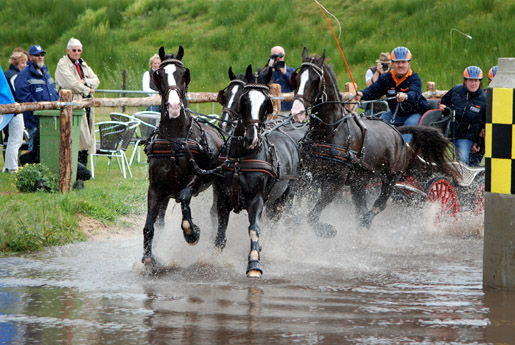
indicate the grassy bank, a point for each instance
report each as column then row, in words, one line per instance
column 32, row 221
column 123, row 34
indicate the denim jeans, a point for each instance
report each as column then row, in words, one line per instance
column 31, row 131
column 463, row 147
column 411, row 120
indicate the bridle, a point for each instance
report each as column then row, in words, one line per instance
column 232, row 113
column 265, row 90
column 319, row 71
column 181, row 93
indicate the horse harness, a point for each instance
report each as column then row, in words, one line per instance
column 329, row 151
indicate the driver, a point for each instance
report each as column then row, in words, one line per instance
column 403, row 89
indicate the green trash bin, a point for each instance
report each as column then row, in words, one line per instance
column 49, row 133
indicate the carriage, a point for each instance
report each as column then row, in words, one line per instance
column 453, row 195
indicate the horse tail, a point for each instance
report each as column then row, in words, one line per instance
column 431, row 152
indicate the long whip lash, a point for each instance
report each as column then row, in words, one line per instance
column 336, row 39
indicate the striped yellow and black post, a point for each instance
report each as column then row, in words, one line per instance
column 499, row 238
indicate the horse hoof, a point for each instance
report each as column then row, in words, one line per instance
column 366, row 220
column 150, row 265
column 254, row 274
column 220, row 242
column 191, row 232
column 325, row 230
column 254, row 269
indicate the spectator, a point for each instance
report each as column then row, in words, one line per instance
column 281, row 74
column 491, row 74
column 468, row 101
column 73, row 73
column 405, row 85
column 18, row 62
column 148, row 80
column 382, row 66
column 34, row 84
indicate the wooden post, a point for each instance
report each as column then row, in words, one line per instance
column 275, row 91
column 65, row 144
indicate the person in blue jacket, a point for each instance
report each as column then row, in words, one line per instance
column 34, row 84
column 403, row 89
column 468, row 101
column 281, row 74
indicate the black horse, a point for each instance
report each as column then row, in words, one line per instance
column 342, row 148
column 227, row 98
column 258, row 169
column 171, row 174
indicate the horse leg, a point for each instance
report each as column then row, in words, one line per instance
column 154, row 205
column 359, row 198
column 160, row 220
column 190, row 231
column 223, row 212
column 379, row 204
column 326, row 196
column 255, row 210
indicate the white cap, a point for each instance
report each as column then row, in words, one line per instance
column 73, row 42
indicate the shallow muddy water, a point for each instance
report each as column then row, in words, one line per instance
column 402, row 281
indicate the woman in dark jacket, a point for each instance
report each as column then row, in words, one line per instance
column 468, row 100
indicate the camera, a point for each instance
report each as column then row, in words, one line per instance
column 385, row 67
column 277, row 64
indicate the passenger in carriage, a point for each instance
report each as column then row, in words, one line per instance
column 408, row 105
column 468, row 100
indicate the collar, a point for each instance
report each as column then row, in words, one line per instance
column 73, row 61
column 399, row 81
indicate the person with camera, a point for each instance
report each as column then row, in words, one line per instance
column 468, row 101
column 281, row 74
column 403, row 89
column 382, row 66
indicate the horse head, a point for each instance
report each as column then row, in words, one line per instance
column 254, row 105
column 308, row 83
column 227, row 97
column 172, row 80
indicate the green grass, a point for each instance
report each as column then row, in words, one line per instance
column 32, row 221
column 123, row 34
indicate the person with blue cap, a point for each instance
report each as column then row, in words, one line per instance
column 34, row 84
column 468, row 101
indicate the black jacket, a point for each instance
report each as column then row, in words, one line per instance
column 11, row 72
column 470, row 111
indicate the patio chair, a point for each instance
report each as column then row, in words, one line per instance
column 149, row 122
column 114, row 139
column 136, row 139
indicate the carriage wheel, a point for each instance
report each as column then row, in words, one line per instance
column 479, row 202
column 441, row 191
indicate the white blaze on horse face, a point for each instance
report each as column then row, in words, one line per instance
column 256, row 101
column 174, row 102
column 233, row 96
column 298, row 110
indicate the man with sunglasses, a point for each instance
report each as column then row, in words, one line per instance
column 73, row 73
column 281, row 74
column 34, row 84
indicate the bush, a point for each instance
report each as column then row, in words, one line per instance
column 36, row 177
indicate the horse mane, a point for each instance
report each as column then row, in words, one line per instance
column 332, row 76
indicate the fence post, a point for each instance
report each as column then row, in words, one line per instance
column 65, row 144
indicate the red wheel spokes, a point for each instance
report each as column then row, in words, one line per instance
column 443, row 193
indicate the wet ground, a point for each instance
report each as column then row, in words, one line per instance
column 402, row 281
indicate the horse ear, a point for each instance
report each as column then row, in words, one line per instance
column 305, row 55
column 186, row 76
column 220, row 97
column 248, row 74
column 267, row 76
column 293, row 80
column 180, row 53
column 322, row 58
column 155, row 77
column 232, row 76
column 162, row 53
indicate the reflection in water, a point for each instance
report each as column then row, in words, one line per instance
column 392, row 284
